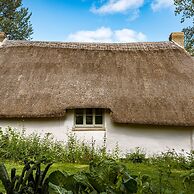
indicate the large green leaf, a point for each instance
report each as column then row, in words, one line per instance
column 74, row 182
column 61, row 179
column 103, row 177
column 83, row 182
column 130, row 183
column 54, row 189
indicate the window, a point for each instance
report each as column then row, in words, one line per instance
column 89, row 118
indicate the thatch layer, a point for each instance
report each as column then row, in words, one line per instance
column 145, row 83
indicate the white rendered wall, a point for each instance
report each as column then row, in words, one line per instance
column 153, row 139
column 60, row 128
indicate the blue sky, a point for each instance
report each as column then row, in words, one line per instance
column 103, row 20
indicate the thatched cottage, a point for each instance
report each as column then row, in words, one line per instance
column 136, row 94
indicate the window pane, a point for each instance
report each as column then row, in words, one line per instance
column 98, row 120
column 79, row 120
column 98, row 111
column 89, row 120
column 79, row 111
column 89, row 111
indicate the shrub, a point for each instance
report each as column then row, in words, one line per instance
column 188, row 181
column 175, row 160
column 17, row 146
column 106, row 176
column 137, row 156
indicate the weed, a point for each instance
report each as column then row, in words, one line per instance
column 137, row 156
column 17, row 146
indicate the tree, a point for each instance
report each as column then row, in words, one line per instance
column 14, row 20
column 186, row 9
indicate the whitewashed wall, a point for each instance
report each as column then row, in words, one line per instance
column 153, row 139
column 60, row 128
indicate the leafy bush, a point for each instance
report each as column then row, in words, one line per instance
column 175, row 160
column 106, row 176
column 137, row 156
column 17, row 146
column 188, row 181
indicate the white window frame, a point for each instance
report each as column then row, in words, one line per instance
column 86, row 127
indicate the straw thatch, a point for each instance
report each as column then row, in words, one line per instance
column 145, row 83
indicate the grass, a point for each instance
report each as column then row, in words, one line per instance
column 66, row 167
column 135, row 168
column 165, row 171
column 160, row 174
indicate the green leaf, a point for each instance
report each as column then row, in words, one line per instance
column 4, row 177
column 54, row 189
column 61, row 179
column 130, row 184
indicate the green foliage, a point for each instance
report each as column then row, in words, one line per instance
column 144, row 184
column 175, row 160
column 109, row 176
column 188, row 181
column 189, row 39
column 17, row 146
column 28, row 182
column 14, row 20
column 150, row 178
column 106, row 176
column 186, row 9
column 137, row 156
column 108, row 173
column 34, row 147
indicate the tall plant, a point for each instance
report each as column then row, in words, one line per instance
column 28, row 182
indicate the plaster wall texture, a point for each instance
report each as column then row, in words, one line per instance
column 153, row 139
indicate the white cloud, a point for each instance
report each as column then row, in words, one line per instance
column 100, row 35
column 107, row 35
column 128, row 35
column 159, row 4
column 117, row 6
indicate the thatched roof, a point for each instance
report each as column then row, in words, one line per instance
column 145, row 83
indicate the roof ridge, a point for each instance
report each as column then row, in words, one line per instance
column 93, row 46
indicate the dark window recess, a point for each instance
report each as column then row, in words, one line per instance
column 79, row 117
column 98, row 111
column 89, row 117
column 79, row 120
column 98, row 116
column 89, row 120
column 79, row 111
column 98, row 120
column 89, row 111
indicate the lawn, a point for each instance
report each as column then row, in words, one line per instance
column 159, row 174
column 154, row 172
column 67, row 167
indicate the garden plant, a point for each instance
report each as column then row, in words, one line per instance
column 83, row 168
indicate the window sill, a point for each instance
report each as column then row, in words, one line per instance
column 88, row 129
